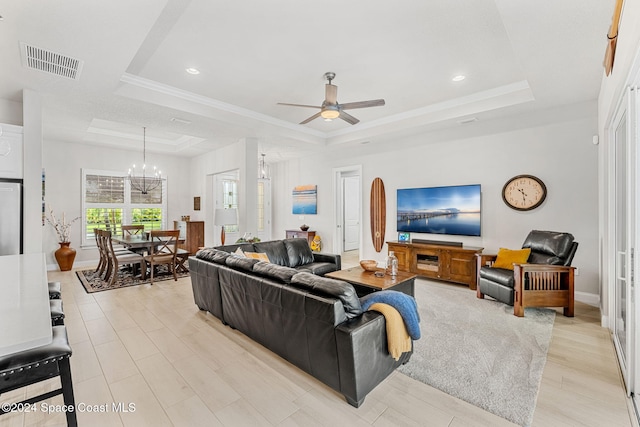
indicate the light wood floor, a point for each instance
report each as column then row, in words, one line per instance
column 150, row 346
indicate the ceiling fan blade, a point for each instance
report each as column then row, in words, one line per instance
column 348, row 118
column 362, row 104
column 315, row 116
column 299, row 105
column 331, row 94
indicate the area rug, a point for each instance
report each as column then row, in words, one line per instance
column 478, row 351
column 92, row 281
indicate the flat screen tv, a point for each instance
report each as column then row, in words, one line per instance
column 440, row 210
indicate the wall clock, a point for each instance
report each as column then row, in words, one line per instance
column 524, row 192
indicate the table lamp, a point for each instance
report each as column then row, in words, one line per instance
column 225, row 217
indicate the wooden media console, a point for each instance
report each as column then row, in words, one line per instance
column 442, row 262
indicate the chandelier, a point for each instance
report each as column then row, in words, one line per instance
column 263, row 168
column 140, row 181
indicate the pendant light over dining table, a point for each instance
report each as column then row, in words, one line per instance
column 139, row 180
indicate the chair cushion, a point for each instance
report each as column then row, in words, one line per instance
column 59, row 347
column 275, row 250
column 298, row 251
column 55, row 307
column 335, row 288
column 507, row 257
column 54, row 290
column 498, row 275
column 548, row 246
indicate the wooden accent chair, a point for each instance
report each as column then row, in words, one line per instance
column 165, row 250
column 545, row 280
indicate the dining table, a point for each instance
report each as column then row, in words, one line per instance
column 137, row 242
column 24, row 306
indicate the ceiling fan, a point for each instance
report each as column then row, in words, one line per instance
column 330, row 109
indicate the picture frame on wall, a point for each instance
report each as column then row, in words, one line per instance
column 305, row 199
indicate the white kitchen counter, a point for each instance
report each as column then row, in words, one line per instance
column 24, row 303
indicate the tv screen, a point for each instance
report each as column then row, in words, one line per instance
column 440, row 210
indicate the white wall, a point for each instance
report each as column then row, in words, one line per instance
column 241, row 156
column 63, row 164
column 611, row 89
column 561, row 154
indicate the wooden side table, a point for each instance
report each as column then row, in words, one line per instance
column 309, row 235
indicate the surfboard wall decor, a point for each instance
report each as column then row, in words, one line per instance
column 378, row 207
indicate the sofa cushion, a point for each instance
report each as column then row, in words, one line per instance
column 213, row 255
column 275, row 250
column 274, row 271
column 318, row 268
column 245, row 247
column 335, row 288
column 240, row 263
column 298, row 251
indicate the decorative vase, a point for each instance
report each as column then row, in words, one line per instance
column 65, row 256
column 304, row 227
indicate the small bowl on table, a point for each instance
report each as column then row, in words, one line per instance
column 369, row 264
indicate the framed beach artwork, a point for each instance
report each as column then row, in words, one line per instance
column 305, row 199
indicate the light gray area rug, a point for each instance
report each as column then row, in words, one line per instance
column 478, row 351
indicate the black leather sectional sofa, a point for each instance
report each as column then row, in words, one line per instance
column 316, row 323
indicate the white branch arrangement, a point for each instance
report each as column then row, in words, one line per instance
column 61, row 226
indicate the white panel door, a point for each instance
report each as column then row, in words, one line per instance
column 351, row 204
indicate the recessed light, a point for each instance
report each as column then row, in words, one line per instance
column 192, row 71
column 458, row 78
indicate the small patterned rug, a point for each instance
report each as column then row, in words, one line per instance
column 92, row 281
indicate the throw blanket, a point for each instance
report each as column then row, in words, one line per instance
column 405, row 304
column 398, row 340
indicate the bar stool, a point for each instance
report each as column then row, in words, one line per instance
column 31, row 366
column 54, row 290
column 57, row 314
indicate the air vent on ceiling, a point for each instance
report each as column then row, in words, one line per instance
column 50, row 62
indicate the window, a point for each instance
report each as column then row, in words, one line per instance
column 230, row 200
column 108, row 202
column 260, row 206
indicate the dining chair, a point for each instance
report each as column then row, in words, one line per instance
column 132, row 230
column 103, row 250
column 164, row 252
column 115, row 259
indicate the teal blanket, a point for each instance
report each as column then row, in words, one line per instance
column 405, row 304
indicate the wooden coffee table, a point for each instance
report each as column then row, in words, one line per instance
column 366, row 282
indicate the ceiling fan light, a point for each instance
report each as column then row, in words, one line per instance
column 330, row 114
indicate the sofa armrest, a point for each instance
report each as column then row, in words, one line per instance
column 363, row 355
column 332, row 258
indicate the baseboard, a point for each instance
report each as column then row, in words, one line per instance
column 77, row 264
column 587, row 298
